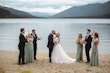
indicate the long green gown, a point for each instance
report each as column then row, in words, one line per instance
column 79, row 55
column 29, row 53
column 94, row 56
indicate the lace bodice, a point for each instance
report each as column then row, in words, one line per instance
column 56, row 41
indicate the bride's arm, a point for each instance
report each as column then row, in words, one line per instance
column 54, row 40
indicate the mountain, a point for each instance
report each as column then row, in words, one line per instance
column 41, row 14
column 98, row 10
column 6, row 12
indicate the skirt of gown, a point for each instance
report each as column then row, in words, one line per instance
column 29, row 53
column 79, row 55
column 94, row 61
column 59, row 55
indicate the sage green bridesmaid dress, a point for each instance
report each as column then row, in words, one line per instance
column 94, row 61
column 79, row 55
column 29, row 53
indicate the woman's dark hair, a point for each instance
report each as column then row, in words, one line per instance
column 22, row 29
column 96, row 35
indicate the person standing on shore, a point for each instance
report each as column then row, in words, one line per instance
column 50, row 44
column 34, row 34
column 58, row 54
column 79, row 42
column 21, row 45
column 88, row 41
column 94, row 55
column 29, row 50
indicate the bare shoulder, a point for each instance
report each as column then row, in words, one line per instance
column 97, row 39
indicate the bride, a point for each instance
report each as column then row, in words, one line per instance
column 58, row 54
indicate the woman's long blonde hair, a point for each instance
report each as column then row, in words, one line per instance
column 79, row 37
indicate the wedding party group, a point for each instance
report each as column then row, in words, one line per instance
column 90, row 41
column 28, row 48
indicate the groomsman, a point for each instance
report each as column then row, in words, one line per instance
column 88, row 40
column 21, row 45
column 34, row 34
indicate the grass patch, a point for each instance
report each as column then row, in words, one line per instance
column 27, row 71
column 2, row 70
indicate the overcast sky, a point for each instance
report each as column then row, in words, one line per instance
column 47, row 6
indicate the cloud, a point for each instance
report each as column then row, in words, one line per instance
column 46, row 6
column 45, row 9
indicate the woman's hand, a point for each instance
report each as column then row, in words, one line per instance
column 85, row 42
column 95, row 51
column 82, row 41
column 26, row 37
column 39, row 38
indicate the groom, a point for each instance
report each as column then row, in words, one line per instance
column 88, row 40
column 50, row 43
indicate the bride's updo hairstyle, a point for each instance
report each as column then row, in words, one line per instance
column 58, row 35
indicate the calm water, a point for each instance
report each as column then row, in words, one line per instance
column 69, row 29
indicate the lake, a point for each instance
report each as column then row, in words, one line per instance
column 68, row 28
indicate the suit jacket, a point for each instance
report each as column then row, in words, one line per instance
column 88, row 40
column 35, row 39
column 22, row 41
column 50, row 41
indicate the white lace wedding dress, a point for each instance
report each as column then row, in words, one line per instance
column 59, row 55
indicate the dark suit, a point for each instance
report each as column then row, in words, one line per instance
column 88, row 40
column 21, row 46
column 35, row 44
column 50, row 45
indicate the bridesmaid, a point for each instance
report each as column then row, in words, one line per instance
column 29, row 50
column 94, row 55
column 79, row 42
